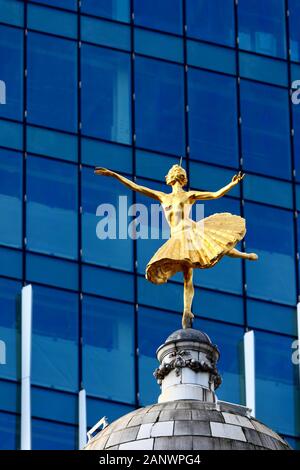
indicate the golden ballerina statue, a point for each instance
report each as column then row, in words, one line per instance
column 191, row 244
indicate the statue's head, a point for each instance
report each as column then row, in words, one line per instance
column 176, row 173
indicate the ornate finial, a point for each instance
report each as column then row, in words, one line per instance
column 189, row 360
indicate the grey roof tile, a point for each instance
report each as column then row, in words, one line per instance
column 192, row 428
column 145, row 431
column 253, row 437
column 164, row 428
column 231, row 418
column 203, row 415
column 142, row 444
column 228, row 431
column 172, row 415
column 173, row 443
column 151, row 417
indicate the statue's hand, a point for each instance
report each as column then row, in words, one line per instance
column 103, row 171
column 237, row 178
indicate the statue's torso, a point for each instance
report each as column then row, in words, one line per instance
column 177, row 208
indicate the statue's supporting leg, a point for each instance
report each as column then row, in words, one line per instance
column 239, row 254
column 188, row 294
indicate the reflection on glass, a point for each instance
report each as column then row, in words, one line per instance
column 11, row 198
column 271, row 235
column 55, row 339
column 52, row 207
column 213, row 117
column 211, row 21
column 265, row 129
column 165, row 15
column 262, row 26
column 106, row 94
column 159, row 106
column 108, row 351
column 277, row 383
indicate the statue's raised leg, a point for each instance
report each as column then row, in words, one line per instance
column 234, row 253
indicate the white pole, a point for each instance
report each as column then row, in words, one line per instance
column 26, row 332
column 249, row 361
column 82, row 437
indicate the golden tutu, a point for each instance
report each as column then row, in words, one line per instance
column 196, row 245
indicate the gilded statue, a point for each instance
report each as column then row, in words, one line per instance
column 192, row 244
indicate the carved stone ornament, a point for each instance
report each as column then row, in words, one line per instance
column 181, row 359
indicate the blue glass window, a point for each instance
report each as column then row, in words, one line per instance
column 69, row 4
column 214, row 305
column 11, row 135
column 11, row 198
column 277, row 318
column 276, row 383
column 11, row 263
column 52, row 207
column 270, row 234
column 51, row 143
column 158, row 45
column 229, row 340
column 154, row 327
column 53, row 436
column 159, row 106
column 55, row 339
column 116, row 249
column 106, row 94
column 262, row 26
column 52, row 271
column 52, row 82
column 203, row 174
column 52, row 21
column 212, row 21
column 152, row 165
column 226, row 276
column 12, row 12
column 114, row 9
column 211, row 57
column 10, row 395
column 108, row 349
column 268, row 190
column 10, row 329
column 263, row 69
column 165, row 15
column 105, row 32
column 296, row 114
column 294, row 8
column 113, row 156
column 61, row 406
column 212, row 117
column 167, row 296
column 265, row 129
column 11, row 75
column 100, row 281
column 9, row 432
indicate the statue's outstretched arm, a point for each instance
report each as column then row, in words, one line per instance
column 130, row 184
column 198, row 195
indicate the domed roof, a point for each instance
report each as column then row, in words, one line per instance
column 187, row 425
column 189, row 334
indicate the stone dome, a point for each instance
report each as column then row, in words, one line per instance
column 188, row 334
column 188, row 415
column 188, row 425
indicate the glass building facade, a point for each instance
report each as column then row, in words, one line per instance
column 132, row 85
